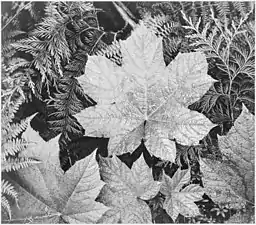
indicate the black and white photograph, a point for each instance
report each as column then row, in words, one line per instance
column 127, row 112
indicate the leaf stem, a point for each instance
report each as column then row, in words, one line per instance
column 15, row 15
column 94, row 46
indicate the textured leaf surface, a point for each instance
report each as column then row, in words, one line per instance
column 216, row 186
column 144, row 99
column 178, row 200
column 241, row 218
column 235, row 174
column 238, row 148
column 47, row 195
column 125, row 191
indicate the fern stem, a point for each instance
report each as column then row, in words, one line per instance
column 69, row 159
column 94, row 46
column 15, row 15
column 32, row 219
column 231, row 78
column 206, row 42
column 125, row 13
column 89, row 28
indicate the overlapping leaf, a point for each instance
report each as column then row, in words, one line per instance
column 215, row 181
column 125, row 191
column 232, row 180
column 47, row 195
column 144, row 99
column 178, row 200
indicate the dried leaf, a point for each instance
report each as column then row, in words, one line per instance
column 144, row 99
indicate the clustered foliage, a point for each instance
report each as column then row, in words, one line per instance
column 44, row 59
column 11, row 147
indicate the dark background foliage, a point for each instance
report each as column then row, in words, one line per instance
column 74, row 146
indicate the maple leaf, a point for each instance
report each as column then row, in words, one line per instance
column 215, row 180
column 144, row 99
column 47, row 195
column 238, row 148
column 178, row 200
column 125, row 191
column 231, row 181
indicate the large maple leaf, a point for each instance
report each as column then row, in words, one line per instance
column 181, row 200
column 231, row 182
column 126, row 189
column 144, row 99
column 47, row 195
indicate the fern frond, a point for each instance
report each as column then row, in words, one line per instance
column 65, row 30
column 210, row 43
column 182, row 155
column 247, row 99
column 205, row 8
column 66, row 104
column 170, row 31
column 160, row 25
column 77, row 64
column 223, row 9
column 65, row 160
column 8, row 189
column 92, row 41
column 11, row 147
column 220, row 114
column 14, row 164
column 190, row 8
column 6, row 206
column 112, row 52
column 212, row 96
column 218, row 41
column 76, row 8
column 10, row 108
column 47, row 44
column 242, row 7
column 8, row 38
column 243, row 55
column 14, row 79
column 16, row 63
column 11, row 143
column 171, row 47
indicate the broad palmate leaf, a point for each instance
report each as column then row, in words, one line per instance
column 144, row 99
column 125, row 191
column 47, row 195
column 231, row 181
column 178, row 200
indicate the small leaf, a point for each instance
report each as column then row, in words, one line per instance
column 125, row 190
column 181, row 201
column 198, row 23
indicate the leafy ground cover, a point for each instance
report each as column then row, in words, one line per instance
column 136, row 112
